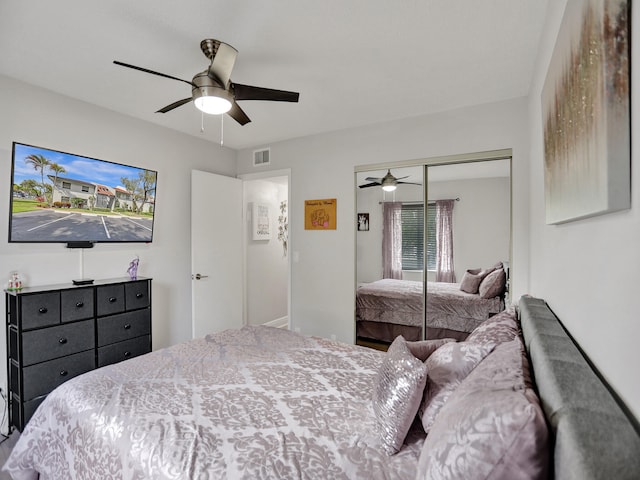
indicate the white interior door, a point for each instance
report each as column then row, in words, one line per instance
column 216, row 253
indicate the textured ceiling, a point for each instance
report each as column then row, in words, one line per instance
column 354, row 62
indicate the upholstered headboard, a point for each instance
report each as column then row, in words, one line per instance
column 593, row 437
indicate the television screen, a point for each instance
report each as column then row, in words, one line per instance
column 61, row 197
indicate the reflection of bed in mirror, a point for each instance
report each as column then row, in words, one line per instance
column 387, row 308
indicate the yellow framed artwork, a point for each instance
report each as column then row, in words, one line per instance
column 320, row 214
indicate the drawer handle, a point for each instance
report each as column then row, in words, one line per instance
column 139, row 295
column 127, row 354
column 79, row 304
column 127, row 326
column 112, row 299
column 64, row 373
column 62, row 341
column 42, row 310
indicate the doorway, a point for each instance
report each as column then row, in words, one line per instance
column 267, row 263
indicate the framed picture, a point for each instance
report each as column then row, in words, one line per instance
column 586, row 119
column 363, row 222
column 260, row 216
column 320, row 214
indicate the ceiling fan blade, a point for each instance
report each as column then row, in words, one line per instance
column 400, row 178
column 410, row 183
column 177, row 104
column 146, row 70
column 238, row 114
column 222, row 64
column 366, row 185
column 373, row 179
column 247, row 92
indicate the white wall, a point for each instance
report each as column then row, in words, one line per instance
column 587, row 269
column 267, row 267
column 322, row 166
column 35, row 116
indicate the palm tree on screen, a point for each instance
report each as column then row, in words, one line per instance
column 56, row 169
column 39, row 162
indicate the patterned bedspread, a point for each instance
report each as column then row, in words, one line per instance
column 390, row 301
column 254, row 403
column 401, row 302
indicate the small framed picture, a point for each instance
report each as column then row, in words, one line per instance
column 261, row 230
column 363, row 222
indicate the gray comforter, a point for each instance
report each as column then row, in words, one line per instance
column 252, row 403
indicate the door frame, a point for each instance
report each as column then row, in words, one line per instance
column 265, row 175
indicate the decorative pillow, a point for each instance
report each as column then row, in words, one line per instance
column 502, row 327
column 397, row 393
column 492, row 427
column 471, row 280
column 423, row 349
column 446, row 368
column 493, row 284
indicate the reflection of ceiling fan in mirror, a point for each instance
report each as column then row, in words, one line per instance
column 212, row 90
column 388, row 182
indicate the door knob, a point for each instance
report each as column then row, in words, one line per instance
column 199, row 277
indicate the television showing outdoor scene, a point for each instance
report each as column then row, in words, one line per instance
column 61, row 197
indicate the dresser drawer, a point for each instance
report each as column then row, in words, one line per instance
column 110, row 299
column 136, row 295
column 77, row 304
column 53, row 342
column 40, row 310
column 124, row 326
column 40, row 379
column 116, row 352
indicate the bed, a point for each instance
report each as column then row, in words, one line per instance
column 265, row 403
column 253, row 403
column 387, row 308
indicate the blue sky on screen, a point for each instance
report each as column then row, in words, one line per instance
column 77, row 167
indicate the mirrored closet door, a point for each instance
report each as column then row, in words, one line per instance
column 435, row 271
column 390, row 255
column 468, row 245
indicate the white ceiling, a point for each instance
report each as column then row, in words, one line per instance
column 354, row 62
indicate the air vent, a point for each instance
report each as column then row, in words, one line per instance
column 261, row 157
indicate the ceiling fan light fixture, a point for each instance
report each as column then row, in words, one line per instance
column 212, row 105
column 209, row 97
column 388, row 188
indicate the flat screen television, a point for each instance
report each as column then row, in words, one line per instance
column 59, row 197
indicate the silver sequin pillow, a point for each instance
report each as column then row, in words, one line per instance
column 397, row 394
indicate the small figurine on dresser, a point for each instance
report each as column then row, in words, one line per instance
column 15, row 282
column 133, row 268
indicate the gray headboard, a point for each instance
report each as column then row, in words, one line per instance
column 593, row 436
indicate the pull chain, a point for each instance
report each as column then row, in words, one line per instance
column 201, row 122
column 222, row 130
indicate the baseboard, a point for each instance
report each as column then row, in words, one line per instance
column 282, row 322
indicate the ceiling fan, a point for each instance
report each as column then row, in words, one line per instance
column 388, row 182
column 212, row 90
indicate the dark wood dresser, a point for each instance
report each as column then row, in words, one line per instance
column 57, row 332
